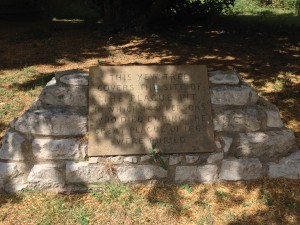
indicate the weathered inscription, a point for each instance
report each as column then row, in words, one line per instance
column 133, row 106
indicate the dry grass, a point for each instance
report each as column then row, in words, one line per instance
column 259, row 202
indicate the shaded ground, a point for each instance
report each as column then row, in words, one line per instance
column 260, row 202
column 265, row 54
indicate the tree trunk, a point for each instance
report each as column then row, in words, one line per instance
column 298, row 8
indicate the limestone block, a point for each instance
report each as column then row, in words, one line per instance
column 145, row 158
column 288, row 167
column 230, row 95
column 227, row 143
column 83, row 172
column 131, row 159
column 52, row 122
column 56, row 148
column 93, row 160
column 223, row 77
column 175, row 159
column 196, row 173
column 273, row 119
column 64, row 96
column 215, row 157
column 115, row 159
column 140, row 173
column 44, row 174
column 76, row 79
column 268, row 145
column 12, row 146
column 237, row 120
column 191, row 158
column 12, row 176
column 240, row 169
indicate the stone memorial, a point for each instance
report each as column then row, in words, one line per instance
column 131, row 107
column 236, row 134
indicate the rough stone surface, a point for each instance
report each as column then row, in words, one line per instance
column 215, row 157
column 116, row 159
column 56, row 148
column 223, row 77
column 218, row 144
column 269, row 144
column 240, row 169
column 145, row 158
column 224, row 95
column 76, row 79
column 237, row 120
column 131, row 159
column 12, row 176
column 12, row 146
column 273, row 119
column 82, row 172
column 191, row 158
column 52, row 122
column 140, row 173
column 64, row 96
column 46, row 174
column 196, row 173
column 93, row 160
column 288, row 167
column 227, row 143
column 175, row 159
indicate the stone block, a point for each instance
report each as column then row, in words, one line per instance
column 191, row 158
column 56, row 148
column 131, row 159
column 240, row 169
column 273, row 119
column 83, row 172
column 140, row 173
column 46, row 174
column 12, row 147
column 52, row 122
column 145, row 158
column 227, row 143
column 64, row 96
column 215, row 157
column 230, row 95
column 205, row 173
column 237, row 120
column 288, row 167
column 12, row 176
column 115, row 159
column 223, row 77
column 75, row 79
column 268, row 145
column 175, row 159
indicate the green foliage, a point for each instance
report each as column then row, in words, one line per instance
column 187, row 187
column 156, row 157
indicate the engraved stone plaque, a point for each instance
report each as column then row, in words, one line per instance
column 131, row 107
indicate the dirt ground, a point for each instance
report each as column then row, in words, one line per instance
column 267, row 57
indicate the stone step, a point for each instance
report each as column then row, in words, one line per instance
column 66, row 96
column 53, row 122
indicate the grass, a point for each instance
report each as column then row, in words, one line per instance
column 157, row 203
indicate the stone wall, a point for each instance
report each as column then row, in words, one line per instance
column 46, row 148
